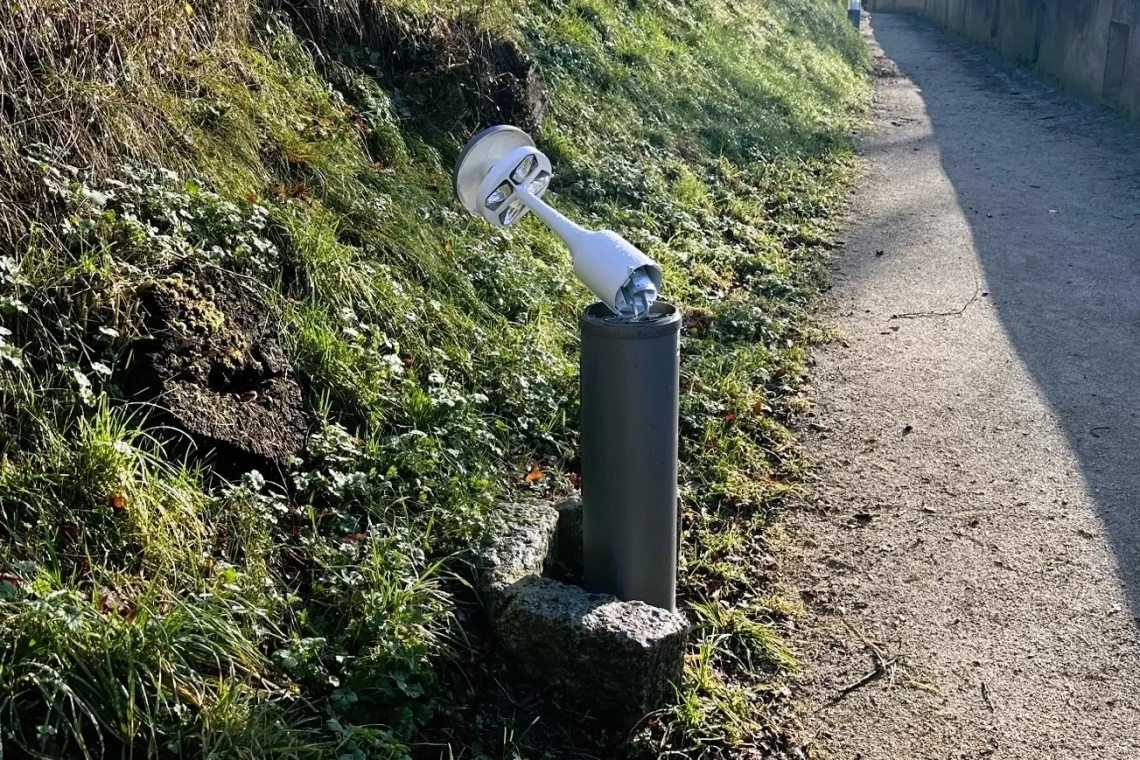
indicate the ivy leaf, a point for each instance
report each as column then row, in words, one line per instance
column 12, row 355
column 9, row 305
column 82, row 382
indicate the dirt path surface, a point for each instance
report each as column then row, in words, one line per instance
column 973, row 543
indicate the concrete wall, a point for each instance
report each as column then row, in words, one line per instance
column 1091, row 46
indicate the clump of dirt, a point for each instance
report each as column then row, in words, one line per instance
column 885, row 68
column 450, row 74
column 212, row 360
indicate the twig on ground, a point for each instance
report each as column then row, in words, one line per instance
column 880, row 669
column 883, row 664
column 986, row 696
column 922, row 314
column 955, row 313
column 879, row 657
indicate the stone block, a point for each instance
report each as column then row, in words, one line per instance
column 618, row 660
column 568, row 540
column 521, row 548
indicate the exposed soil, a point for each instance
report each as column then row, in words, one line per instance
column 214, row 364
column 970, row 552
column 450, row 74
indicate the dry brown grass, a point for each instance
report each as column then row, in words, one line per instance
column 82, row 80
column 99, row 83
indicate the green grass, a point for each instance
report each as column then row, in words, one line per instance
column 147, row 608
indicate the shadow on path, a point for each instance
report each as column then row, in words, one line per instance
column 1054, row 209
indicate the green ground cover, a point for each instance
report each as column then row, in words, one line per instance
column 149, row 607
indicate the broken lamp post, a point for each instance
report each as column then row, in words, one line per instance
column 629, row 375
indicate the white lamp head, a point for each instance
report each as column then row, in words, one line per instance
column 496, row 163
column 501, row 176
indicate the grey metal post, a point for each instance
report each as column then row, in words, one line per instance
column 630, row 385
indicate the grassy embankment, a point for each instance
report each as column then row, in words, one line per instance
column 145, row 604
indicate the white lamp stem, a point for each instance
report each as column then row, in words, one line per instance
column 570, row 232
column 603, row 260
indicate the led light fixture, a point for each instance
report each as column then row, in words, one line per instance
column 629, row 370
column 502, row 176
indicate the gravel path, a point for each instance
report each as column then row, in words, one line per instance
column 972, row 547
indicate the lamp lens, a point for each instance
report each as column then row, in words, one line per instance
column 541, row 182
column 523, row 170
column 495, row 199
column 513, row 212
